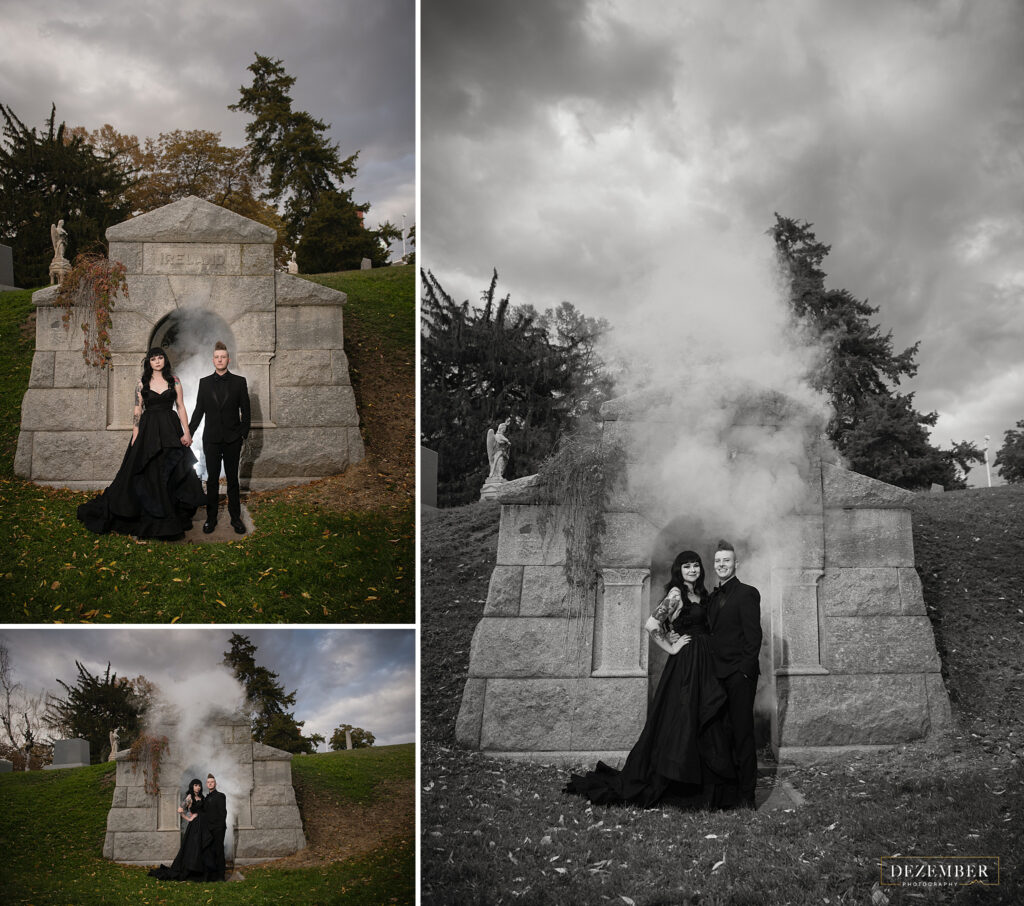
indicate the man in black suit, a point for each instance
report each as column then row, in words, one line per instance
column 734, row 614
column 223, row 398
column 217, row 822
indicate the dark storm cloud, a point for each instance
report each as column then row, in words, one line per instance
column 147, row 68
column 364, row 677
column 896, row 128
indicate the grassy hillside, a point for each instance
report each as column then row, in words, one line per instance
column 520, row 840
column 53, row 826
column 337, row 550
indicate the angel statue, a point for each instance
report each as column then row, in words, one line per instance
column 59, row 237
column 498, row 446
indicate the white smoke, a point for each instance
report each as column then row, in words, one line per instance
column 714, row 339
column 189, row 711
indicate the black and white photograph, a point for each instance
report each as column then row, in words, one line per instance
column 721, row 383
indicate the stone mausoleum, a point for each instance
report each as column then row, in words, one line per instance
column 196, row 273
column 848, row 658
column 263, row 819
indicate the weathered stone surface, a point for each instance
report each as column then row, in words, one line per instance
column 544, row 592
column 89, row 455
column 517, row 490
column 627, row 540
column 137, row 797
column 620, row 643
column 278, row 795
column 255, row 330
column 156, row 845
column 471, row 713
column 23, row 455
column 843, row 488
column 120, row 799
column 293, row 290
column 131, row 819
column 801, row 541
column 70, row 370
column 795, row 611
column 51, row 334
column 880, row 644
column 301, row 367
column 339, row 368
column 306, row 327
column 520, row 540
column 861, row 591
column 940, row 717
column 528, row 714
column 596, row 699
column 191, row 258
column 227, row 297
column 878, row 709
column 911, row 593
column 300, row 452
column 314, row 407
column 129, row 254
column 868, row 537
column 504, row 592
column 258, row 259
column 130, row 331
column 279, row 817
column 530, row 646
column 258, row 844
column 191, row 220
column 42, row 369
column 272, row 772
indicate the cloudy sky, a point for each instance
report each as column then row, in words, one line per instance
column 363, row 677
column 148, row 67
column 628, row 157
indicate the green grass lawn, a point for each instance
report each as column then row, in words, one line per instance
column 305, row 563
column 502, row 832
column 53, row 825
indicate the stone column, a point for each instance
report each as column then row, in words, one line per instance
column 620, row 644
column 796, row 621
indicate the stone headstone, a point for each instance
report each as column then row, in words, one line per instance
column 366, row 264
column 196, row 273
column 428, row 477
column 6, row 766
column 937, row 489
column 6, row 268
column 69, row 753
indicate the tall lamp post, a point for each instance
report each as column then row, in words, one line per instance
column 403, row 237
column 988, row 470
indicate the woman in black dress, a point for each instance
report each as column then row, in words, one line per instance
column 194, row 861
column 683, row 753
column 156, row 490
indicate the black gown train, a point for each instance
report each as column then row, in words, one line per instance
column 683, row 754
column 195, row 858
column 156, row 490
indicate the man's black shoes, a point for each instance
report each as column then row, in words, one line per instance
column 238, row 525
column 209, row 526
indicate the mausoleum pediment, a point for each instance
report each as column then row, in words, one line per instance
column 191, row 220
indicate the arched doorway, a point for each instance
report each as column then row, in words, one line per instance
column 188, row 338
column 701, row 535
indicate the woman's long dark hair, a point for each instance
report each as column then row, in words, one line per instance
column 147, row 369
column 191, row 789
column 676, row 576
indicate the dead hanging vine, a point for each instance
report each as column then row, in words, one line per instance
column 92, row 284
column 573, row 487
column 149, row 750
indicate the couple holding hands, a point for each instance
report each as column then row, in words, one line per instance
column 697, row 747
column 157, row 491
column 201, row 853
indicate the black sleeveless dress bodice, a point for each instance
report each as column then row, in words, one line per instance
column 156, row 490
column 683, row 754
column 194, row 861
